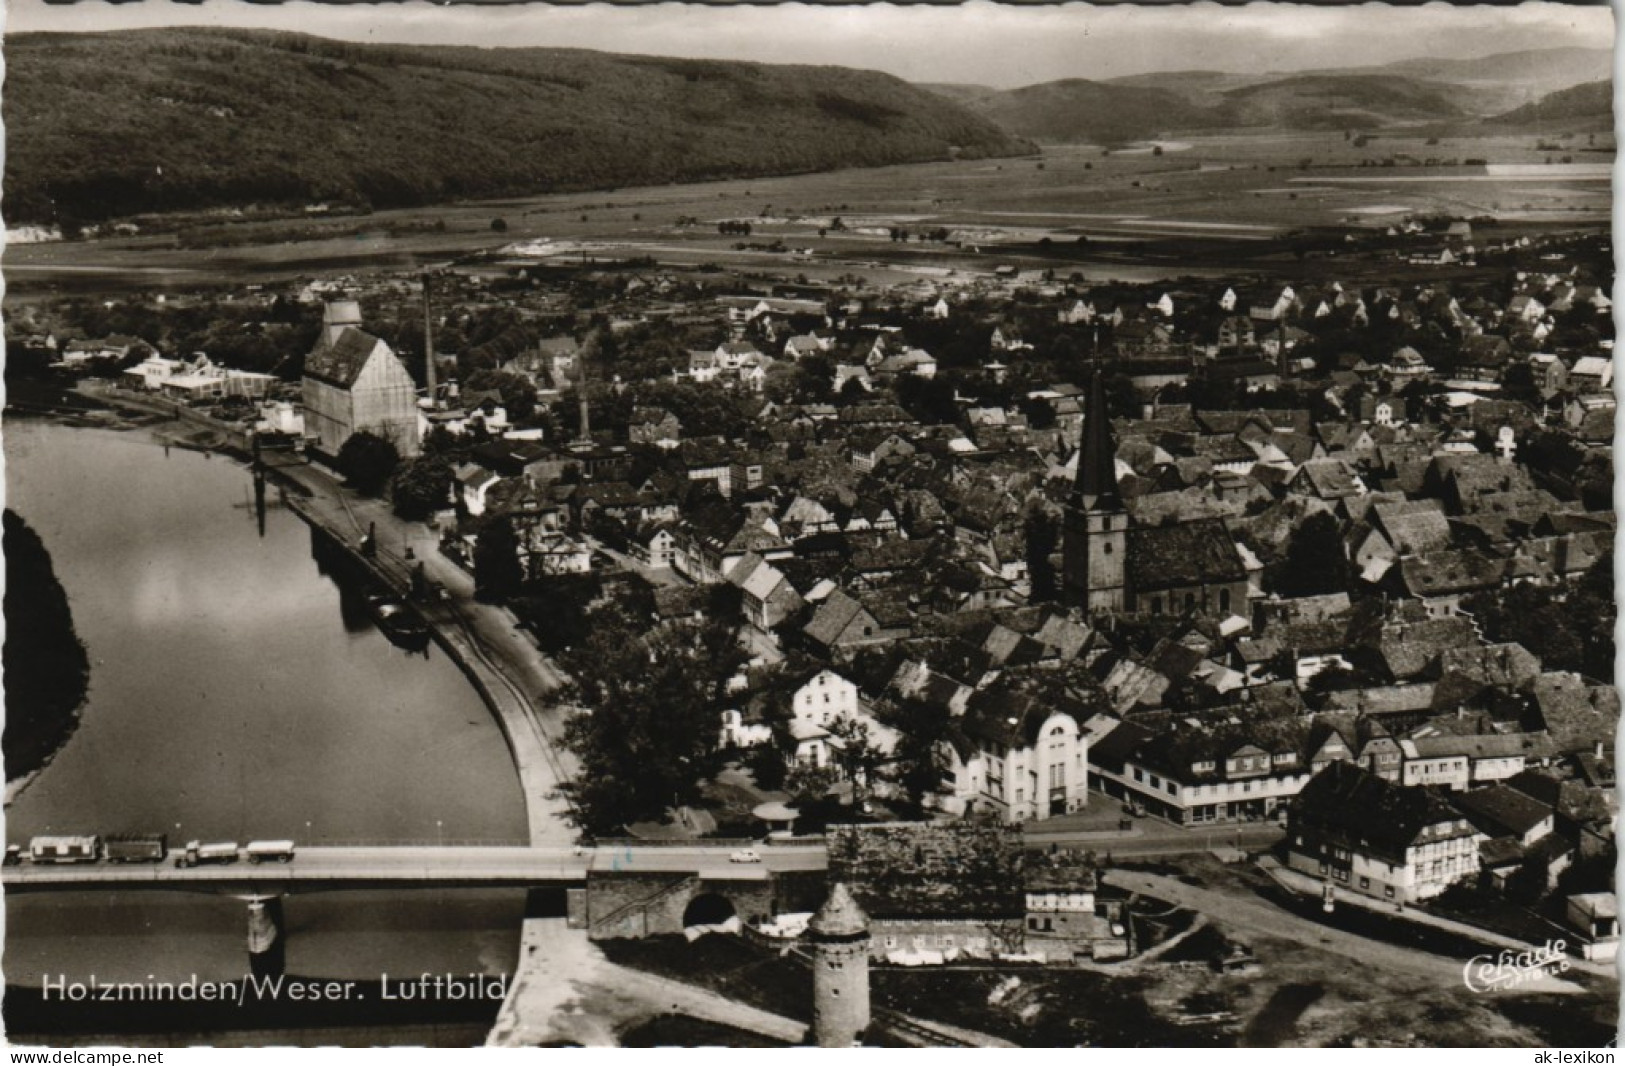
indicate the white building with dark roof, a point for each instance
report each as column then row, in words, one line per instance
column 1368, row 835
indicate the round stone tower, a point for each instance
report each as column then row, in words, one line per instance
column 840, row 937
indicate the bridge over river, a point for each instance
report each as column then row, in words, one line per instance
column 319, row 869
column 624, row 889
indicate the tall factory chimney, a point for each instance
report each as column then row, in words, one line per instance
column 428, row 345
column 587, row 349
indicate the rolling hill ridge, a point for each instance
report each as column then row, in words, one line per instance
column 1406, row 93
column 1587, row 108
column 1338, row 101
column 104, row 125
column 1079, row 110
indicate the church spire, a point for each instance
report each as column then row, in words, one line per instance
column 1095, row 487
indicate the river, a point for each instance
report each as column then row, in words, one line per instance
column 236, row 693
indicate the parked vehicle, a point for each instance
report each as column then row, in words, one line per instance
column 269, row 851
column 14, row 854
column 65, row 849
column 137, row 848
column 197, row 853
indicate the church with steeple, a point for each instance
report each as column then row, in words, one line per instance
column 1111, row 566
column 1094, row 530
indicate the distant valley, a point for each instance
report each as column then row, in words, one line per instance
column 1568, row 88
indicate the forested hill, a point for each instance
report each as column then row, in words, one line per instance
column 103, row 125
column 1078, row 110
column 47, row 670
column 1583, row 108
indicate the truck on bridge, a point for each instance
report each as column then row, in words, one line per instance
column 197, row 853
column 56, row 849
column 133, row 847
column 269, row 851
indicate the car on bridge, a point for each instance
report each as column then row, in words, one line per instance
column 745, row 855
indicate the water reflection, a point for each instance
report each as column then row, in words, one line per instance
column 239, row 687
column 239, row 690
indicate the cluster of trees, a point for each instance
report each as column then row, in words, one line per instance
column 1043, row 538
column 704, row 410
column 517, row 391
column 1315, row 562
column 499, row 576
column 47, row 671
column 810, row 380
column 858, row 759
column 646, row 736
column 931, row 400
column 265, row 338
column 421, row 486
column 1570, row 628
column 367, row 462
column 559, row 610
column 651, row 698
column 916, row 767
column 730, row 227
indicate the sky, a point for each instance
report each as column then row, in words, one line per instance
column 976, row 42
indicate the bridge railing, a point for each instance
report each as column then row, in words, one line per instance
column 425, row 842
column 610, row 843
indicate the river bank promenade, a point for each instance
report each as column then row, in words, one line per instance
column 548, row 1000
column 516, row 680
column 563, row 990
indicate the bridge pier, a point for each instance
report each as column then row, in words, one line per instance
column 267, row 955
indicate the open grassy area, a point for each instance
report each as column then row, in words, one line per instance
column 1296, row 995
column 677, row 1030
column 1044, row 1008
column 1301, row 995
column 723, row 964
column 1201, row 209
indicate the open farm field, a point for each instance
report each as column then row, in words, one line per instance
column 1207, row 204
